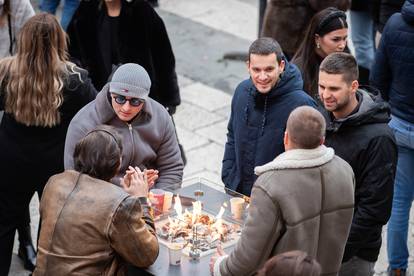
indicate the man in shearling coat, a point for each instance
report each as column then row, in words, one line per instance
column 306, row 195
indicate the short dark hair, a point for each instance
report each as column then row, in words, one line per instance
column 306, row 127
column 265, row 46
column 98, row 153
column 341, row 63
column 292, row 263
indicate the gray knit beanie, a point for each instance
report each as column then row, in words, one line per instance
column 131, row 80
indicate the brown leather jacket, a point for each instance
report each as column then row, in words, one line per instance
column 92, row 227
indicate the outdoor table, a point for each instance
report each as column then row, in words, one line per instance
column 213, row 196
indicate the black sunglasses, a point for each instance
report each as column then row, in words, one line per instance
column 119, row 99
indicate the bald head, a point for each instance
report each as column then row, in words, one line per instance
column 305, row 128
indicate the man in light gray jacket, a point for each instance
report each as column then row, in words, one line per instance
column 149, row 139
column 306, row 195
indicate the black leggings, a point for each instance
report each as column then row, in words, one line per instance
column 22, row 229
column 14, row 213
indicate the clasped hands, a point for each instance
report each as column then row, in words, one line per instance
column 137, row 182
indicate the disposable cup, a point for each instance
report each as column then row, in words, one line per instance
column 237, row 207
column 157, row 200
column 174, row 252
column 168, row 196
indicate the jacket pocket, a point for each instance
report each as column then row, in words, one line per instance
column 228, row 172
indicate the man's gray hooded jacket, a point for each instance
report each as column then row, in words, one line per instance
column 149, row 141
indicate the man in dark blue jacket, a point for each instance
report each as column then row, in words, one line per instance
column 358, row 132
column 260, row 108
column 393, row 75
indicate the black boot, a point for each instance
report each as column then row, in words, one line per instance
column 397, row 272
column 26, row 252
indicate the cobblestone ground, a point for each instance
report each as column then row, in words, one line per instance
column 201, row 32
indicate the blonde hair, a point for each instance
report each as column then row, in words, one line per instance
column 34, row 77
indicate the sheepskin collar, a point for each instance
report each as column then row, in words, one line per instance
column 298, row 158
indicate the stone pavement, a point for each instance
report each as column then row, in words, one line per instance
column 201, row 31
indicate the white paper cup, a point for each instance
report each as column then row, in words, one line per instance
column 174, row 252
column 168, row 196
column 237, row 207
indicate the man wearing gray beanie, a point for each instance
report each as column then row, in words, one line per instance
column 149, row 139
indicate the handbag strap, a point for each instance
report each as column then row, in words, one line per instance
column 10, row 34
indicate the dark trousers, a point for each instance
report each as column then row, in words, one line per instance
column 22, row 229
column 14, row 213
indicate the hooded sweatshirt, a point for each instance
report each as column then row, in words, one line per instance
column 149, row 141
column 257, row 125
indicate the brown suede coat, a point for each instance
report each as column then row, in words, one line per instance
column 287, row 20
column 92, row 227
column 303, row 200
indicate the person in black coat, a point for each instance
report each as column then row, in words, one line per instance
column 358, row 132
column 40, row 92
column 104, row 34
column 393, row 75
column 386, row 9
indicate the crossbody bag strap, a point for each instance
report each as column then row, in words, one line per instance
column 10, row 35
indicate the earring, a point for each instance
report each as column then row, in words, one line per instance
column 318, row 45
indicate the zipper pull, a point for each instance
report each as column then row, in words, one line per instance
column 130, row 126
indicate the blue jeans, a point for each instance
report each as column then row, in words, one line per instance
column 69, row 9
column 403, row 194
column 362, row 33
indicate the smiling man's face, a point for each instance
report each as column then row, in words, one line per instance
column 264, row 71
column 337, row 96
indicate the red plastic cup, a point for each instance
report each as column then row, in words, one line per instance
column 157, row 200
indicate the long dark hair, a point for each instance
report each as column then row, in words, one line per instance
column 36, row 73
column 306, row 57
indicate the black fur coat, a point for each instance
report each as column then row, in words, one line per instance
column 142, row 39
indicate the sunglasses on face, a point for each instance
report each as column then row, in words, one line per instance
column 119, row 99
